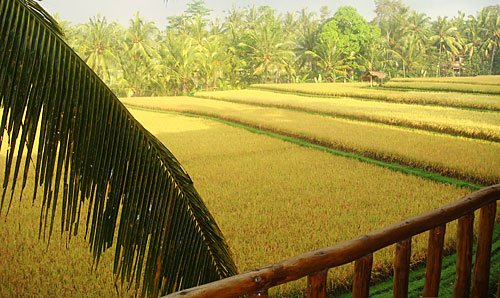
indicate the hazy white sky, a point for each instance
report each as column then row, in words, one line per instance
column 78, row 11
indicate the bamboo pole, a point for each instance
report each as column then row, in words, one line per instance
column 402, row 269
column 465, row 240
column 316, row 284
column 483, row 251
column 434, row 258
column 362, row 273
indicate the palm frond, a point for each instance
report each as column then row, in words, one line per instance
column 43, row 16
column 92, row 153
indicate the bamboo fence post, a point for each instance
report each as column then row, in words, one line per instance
column 402, row 269
column 434, row 258
column 362, row 272
column 316, row 284
column 483, row 251
column 259, row 294
column 465, row 240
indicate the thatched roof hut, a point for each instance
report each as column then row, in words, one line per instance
column 369, row 75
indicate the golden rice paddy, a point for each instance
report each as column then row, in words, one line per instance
column 474, row 160
column 363, row 90
column 274, row 199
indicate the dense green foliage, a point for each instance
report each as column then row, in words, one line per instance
column 352, row 37
column 258, row 45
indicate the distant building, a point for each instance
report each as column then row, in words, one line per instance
column 370, row 75
column 457, row 66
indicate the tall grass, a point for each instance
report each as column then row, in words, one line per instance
column 276, row 199
column 477, row 124
column 362, row 90
column 478, row 80
column 272, row 200
column 442, row 86
column 473, row 160
column 35, row 268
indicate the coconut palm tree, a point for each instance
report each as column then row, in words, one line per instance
column 139, row 37
column 329, row 58
column 306, row 38
column 266, row 48
column 92, row 153
column 211, row 60
column 473, row 43
column 491, row 36
column 418, row 29
column 137, row 51
column 96, row 44
column 446, row 38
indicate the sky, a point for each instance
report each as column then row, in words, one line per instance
column 78, row 11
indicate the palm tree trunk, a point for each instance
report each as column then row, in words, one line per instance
column 184, row 85
column 493, row 58
column 439, row 62
column 266, row 76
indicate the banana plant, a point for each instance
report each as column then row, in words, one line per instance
column 92, row 154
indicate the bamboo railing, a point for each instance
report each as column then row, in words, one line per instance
column 315, row 264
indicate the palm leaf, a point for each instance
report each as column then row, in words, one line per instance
column 93, row 154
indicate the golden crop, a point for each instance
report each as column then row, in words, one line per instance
column 479, row 80
column 363, row 90
column 473, row 160
column 441, row 86
column 484, row 125
column 272, row 200
column 30, row 267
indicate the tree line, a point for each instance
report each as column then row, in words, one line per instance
column 259, row 45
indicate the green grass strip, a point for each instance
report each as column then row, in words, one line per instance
column 392, row 166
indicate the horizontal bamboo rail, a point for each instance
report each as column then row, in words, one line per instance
column 316, row 263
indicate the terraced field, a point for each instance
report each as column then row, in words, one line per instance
column 442, row 86
column 284, row 174
column 478, row 80
column 254, row 172
column 242, row 176
column 363, row 91
column 451, row 138
column 477, row 124
column 469, row 159
column 479, row 84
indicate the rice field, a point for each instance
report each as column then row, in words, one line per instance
column 34, row 268
column 441, row 86
column 237, row 173
column 479, row 80
column 479, row 124
column 469, row 159
column 242, row 176
column 363, row 90
column 274, row 199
